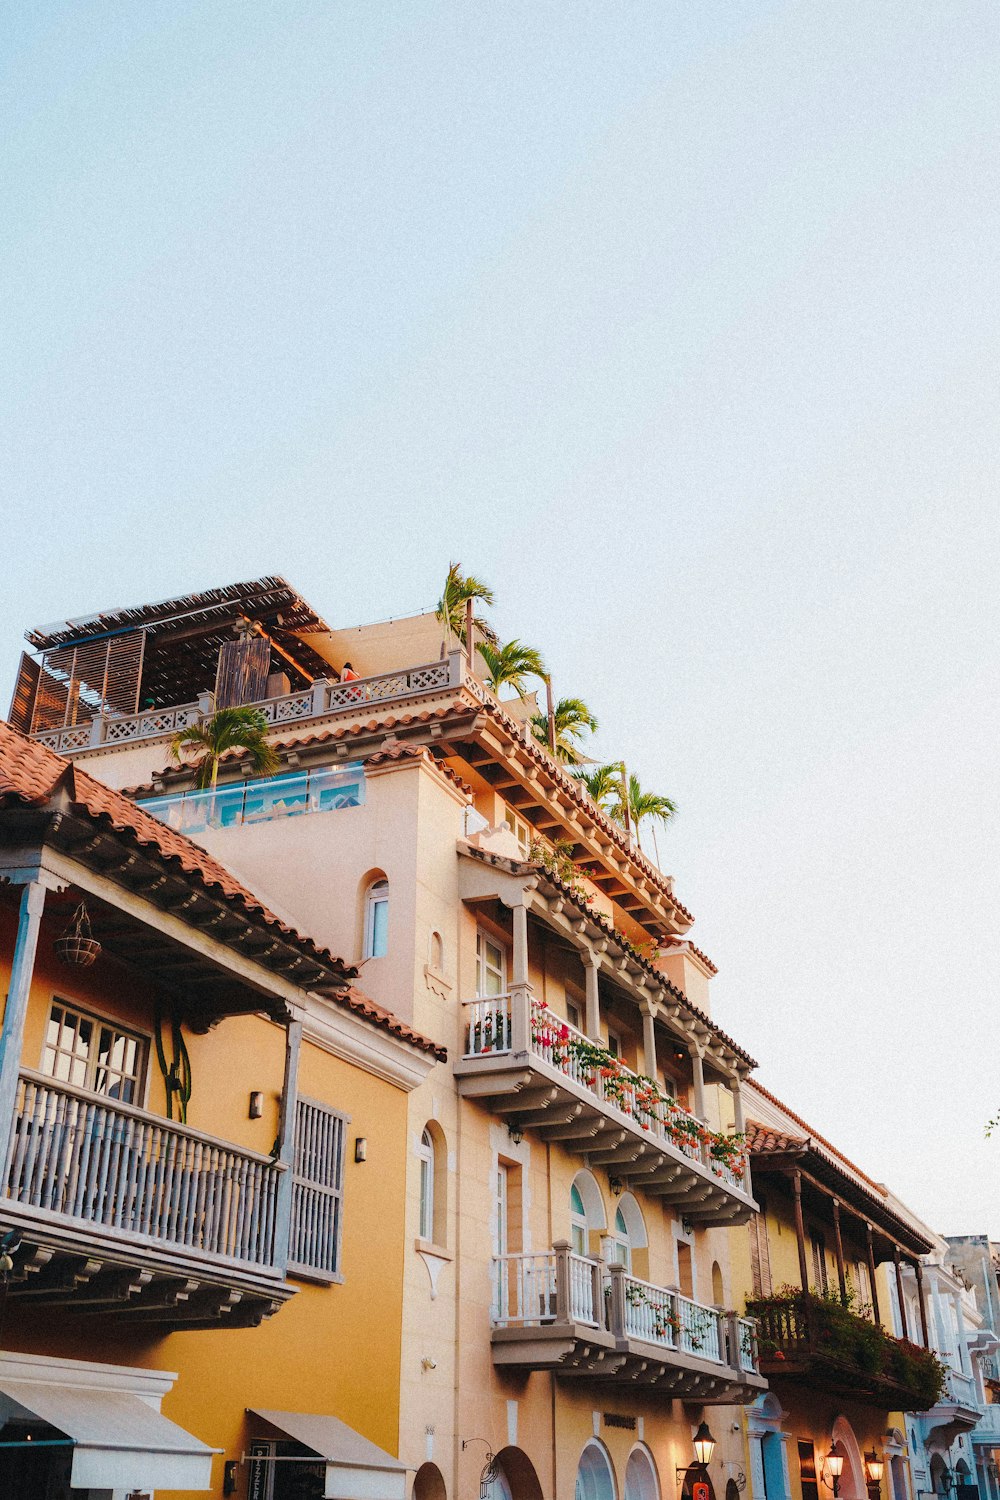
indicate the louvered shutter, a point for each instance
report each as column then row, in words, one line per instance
column 317, row 1188
column 22, row 705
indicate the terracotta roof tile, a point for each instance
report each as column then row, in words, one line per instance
column 673, row 940
column 31, row 775
column 764, row 1138
column 814, row 1135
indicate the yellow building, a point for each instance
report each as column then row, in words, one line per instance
column 812, row 1267
column 202, row 1194
column 575, row 1175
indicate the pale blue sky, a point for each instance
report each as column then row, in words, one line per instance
column 678, row 322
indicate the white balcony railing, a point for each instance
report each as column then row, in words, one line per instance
column 489, row 1031
column 291, row 708
column 136, row 1175
column 529, row 1290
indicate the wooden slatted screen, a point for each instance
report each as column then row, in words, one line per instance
column 244, row 665
column 22, row 705
column 317, row 1188
column 78, row 682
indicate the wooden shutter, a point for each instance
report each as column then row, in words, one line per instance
column 244, row 665
column 22, row 705
column 78, row 682
column 317, row 1188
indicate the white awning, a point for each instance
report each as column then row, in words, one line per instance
column 355, row 1468
column 119, row 1441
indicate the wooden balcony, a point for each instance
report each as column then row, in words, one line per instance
column 817, row 1342
column 523, row 1068
column 121, row 1210
column 554, row 1310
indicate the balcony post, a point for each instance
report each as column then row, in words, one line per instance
column 698, row 1074
column 320, row 688
column 919, row 1271
column 520, row 1018
column 871, row 1272
column 592, row 971
column 899, row 1292
column 731, row 1331
column 206, row 705
column 286, row 1143
column 647, row 1009
column 519, row 969
column 838, row 1245
column 800, row 1231
column 736, row 1089
column 12, row 1035
column 455, row 664
column 97, row 724
column 561, row 1249
column 616, row 1302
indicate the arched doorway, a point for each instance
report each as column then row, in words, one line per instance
column 595, row 1478
column 428, row 1483
column 513, row 1477
column 768, row 1464
column 853, row 1485
column 641, row 1479
column 940, row 1475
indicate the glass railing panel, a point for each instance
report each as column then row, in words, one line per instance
column 326, row 789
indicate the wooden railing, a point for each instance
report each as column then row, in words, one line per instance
column 137, row 1175
column 493, row 1024
column 558, row 1286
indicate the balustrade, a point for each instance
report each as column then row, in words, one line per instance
column 551, row 1286
column 133, row 1174
column 490, row 1029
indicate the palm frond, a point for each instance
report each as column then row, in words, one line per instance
column 459, row 588
column 510, row 665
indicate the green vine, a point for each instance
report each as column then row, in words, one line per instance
column 177, row 1073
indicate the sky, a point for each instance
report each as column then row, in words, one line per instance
column 676, row 322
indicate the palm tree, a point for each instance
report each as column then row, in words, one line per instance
column 459, row 588
column 227, row 729
column 603, row 783
column 642, row 806
column 510, row 665
column 571, row 717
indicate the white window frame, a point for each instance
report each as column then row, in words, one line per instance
column 377, row 895
column 579, row 1226
column 92, row 1064
column 622, row 1244
column 425, row 1155
column 483, row 967
column 519, row 829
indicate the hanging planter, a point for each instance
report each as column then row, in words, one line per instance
column 77, row 947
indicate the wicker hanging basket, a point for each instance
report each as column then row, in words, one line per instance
column 77, row 947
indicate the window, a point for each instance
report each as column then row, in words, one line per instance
column 89, row 1053
column 520, row 831
column 622, row 1245
column 820, row 1281
column 377, row 920
column 595, row 1479
column 317, row 1189
column 491, row 967
column 579, row 1229
column 425, row 1152
column 614, row 1043
column 573, row 1015
column 807, row 1470
column 685, row 1269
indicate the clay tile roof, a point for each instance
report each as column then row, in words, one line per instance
column 764, row 1138
column 406, row 751
column 814, row 1137
column 672, row 940
column 363, row 1006
column 31, row 775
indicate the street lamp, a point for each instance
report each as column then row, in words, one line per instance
column 704, row 1446
column 835, row 1463
column 874, row 1468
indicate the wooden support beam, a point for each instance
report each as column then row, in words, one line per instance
column 800, row 1232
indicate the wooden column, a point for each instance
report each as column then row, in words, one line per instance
column 899, row 1292
column 12, row 1035
column 838, row 1246
column 919, row 1272
column 286, row 1142
column 871, row 1273
column 800, row 1231
column 592, row 1023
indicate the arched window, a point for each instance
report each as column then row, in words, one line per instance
column 595, row 1478
column 641, row 1482
column 718, row 1291
column 377, row 920
column 629, row 1234
column 435, row 952
column 425, row 1152
column 579, row 1229
column 622, row 1245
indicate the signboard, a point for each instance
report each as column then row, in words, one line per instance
column 700, row 1490
column 259, row 1481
